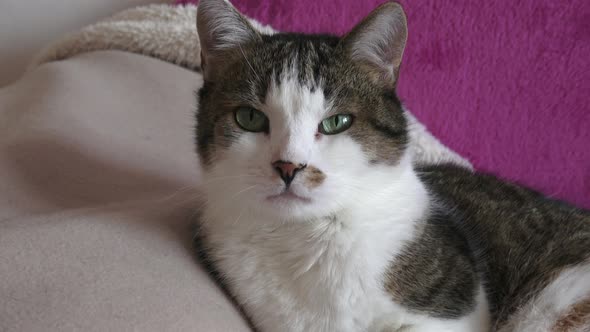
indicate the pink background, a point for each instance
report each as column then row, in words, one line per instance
column 504, row 83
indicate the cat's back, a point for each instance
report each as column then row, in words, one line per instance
column 524, row 243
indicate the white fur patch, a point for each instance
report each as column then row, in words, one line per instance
column 323, row 274
column 294, row 112
column 541, row 314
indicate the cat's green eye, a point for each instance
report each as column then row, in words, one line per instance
column 335, row 124
column 251, row 119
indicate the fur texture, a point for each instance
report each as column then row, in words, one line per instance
column 371, row 244
column 309, row 256
column 563, row 306
column 531, row 251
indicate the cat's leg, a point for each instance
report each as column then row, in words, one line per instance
column 477, row 320
column 563, row 306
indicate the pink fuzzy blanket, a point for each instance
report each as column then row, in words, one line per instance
column 505, row 84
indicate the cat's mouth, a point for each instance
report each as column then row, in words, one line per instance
column 288, row 196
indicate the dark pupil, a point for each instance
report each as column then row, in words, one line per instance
column 336, row 120
column 251, row 115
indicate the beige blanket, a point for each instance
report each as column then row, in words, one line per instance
column 98, row 180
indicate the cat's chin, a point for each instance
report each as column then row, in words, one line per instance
column 288, row 197
column 289, row 205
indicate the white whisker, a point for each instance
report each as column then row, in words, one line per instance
column 239, row 216
column 182, row 196
column 219, row 178
column 242, row 191
column 248, row 62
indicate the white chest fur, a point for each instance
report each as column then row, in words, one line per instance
column 320, row 275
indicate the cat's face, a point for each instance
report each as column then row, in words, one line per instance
column 294, row 126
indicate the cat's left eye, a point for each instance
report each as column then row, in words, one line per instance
column 335, row 124
column 251, row 119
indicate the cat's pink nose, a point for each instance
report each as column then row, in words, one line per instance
column 287, row 170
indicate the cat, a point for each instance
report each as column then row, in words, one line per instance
column 316, row 219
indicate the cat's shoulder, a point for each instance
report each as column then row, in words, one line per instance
column 462, row 185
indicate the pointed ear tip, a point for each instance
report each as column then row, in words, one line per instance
column 392, row 5
column 396, row 14
column 207, row 10
column 392, row 8
column 207, row 5
column 211, row 2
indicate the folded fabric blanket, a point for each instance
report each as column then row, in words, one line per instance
column 169, row 33
column 97, row 198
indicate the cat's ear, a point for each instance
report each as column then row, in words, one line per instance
column 378, row 42
column 223, row 31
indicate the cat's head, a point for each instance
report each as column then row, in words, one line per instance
column 294, row 125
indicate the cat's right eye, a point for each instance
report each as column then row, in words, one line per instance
column 335, row 124
column 251, row 119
